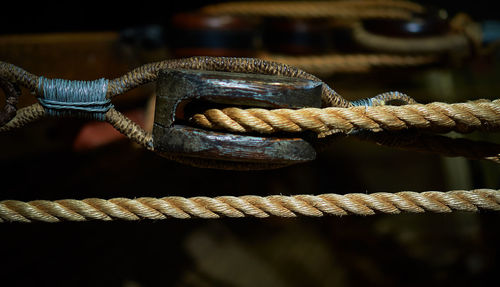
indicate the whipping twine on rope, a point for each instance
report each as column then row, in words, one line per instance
column 85, row 99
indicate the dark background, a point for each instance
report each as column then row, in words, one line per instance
column 53, row 16
column 38, row 162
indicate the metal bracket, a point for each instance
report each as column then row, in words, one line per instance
column 176, row 89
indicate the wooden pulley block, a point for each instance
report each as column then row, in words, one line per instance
column 181, row 93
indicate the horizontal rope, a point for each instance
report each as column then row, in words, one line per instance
column 439, row 117
column 329, row 64
column 248, row 206
column 317, row 9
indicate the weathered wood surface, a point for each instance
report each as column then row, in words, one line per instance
column 193, row 142
column 178, row 87
column 238, row 89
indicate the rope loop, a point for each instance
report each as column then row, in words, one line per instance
column 83, row 99
column 12, row 94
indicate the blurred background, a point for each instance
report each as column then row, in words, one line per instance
column 55, row 159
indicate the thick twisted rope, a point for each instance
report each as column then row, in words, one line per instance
column 439, row 117
column 248, row 206
column 315, row 9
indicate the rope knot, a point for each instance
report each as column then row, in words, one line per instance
column 84, row 99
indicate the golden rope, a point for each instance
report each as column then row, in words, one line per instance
column 440, row 117
column 248, row 206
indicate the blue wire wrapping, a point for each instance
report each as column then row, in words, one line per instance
column 84, row 99
column 363, row 102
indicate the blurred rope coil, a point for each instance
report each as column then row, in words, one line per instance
column 463, row 39
column 428, row 45
column 249, row 206
column 317, row 9
column 328, row 64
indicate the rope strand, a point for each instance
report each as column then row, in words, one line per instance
column 249, row 206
